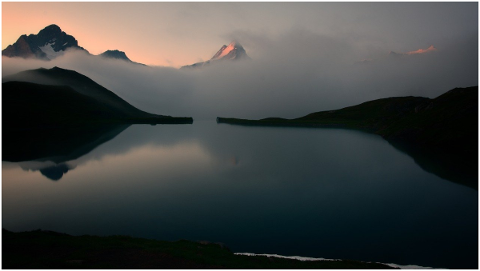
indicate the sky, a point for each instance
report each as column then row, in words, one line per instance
column 176, row 34
column 305, row 57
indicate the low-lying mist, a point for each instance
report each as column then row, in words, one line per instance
column 289, row 76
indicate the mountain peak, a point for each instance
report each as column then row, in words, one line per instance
column 116, row 54
column 219, row 52
column 233, row 51
column 48, row 44
column 52, row 28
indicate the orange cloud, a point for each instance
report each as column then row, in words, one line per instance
column 421, row 51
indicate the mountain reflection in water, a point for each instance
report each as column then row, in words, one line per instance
column 328, row 193
column 50, row 148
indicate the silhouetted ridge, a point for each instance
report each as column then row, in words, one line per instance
column 49, row 43
column 82, row 84
column 441, row 134
column 52, row 42
column 86, row 100
column 116, row 54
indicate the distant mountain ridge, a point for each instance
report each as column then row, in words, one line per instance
column 49, row 43
column 52, row 42
column 116, row 54
column 233, row 52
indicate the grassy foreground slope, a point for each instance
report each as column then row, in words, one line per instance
column 45, row 249
column 441, row 134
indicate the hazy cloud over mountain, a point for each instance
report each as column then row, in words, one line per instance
column 302, row 69
column 180, row 34
column 291, row 76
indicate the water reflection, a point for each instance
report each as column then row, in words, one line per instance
column 309, row 192
column 54, row 152
column 55, row 146
column 55, row 172
column 459, row 169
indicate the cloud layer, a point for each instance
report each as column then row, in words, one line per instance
column 291, row 75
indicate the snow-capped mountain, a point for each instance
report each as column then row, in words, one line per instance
column 234, row 51
column 49, row 43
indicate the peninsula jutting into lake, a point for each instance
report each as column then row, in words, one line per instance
column 52, row 97
column 441, row 133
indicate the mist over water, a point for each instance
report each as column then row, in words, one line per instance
column 291, row 75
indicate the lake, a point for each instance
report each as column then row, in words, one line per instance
column 330, row 193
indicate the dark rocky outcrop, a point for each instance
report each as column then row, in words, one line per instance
column 36, row 46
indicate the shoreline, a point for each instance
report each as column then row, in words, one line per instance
column 48, row 249
column 300, row 258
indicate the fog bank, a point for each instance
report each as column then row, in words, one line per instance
column 291, row 75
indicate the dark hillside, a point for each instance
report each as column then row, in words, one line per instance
column 441, row 134
column 28, row 105
column 79, row 82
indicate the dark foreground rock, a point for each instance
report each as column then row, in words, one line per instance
column 46, row 249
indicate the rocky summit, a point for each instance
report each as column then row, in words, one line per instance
column 116, row 54
column 234, row 51
column 49, row 43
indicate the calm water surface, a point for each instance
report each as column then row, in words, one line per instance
column 328, row 193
